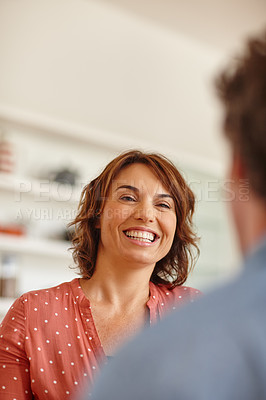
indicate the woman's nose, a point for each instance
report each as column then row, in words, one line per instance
column 145, row 212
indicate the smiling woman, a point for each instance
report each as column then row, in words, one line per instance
column 133, row 245
column 175, row 195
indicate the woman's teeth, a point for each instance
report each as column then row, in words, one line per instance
column 142, row 236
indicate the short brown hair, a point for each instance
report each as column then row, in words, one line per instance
column 242, row 89
column 174, row 268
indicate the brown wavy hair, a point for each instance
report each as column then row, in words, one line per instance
column 173, row 269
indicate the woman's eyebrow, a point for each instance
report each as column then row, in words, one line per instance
column 133, row 188
column 164, row 195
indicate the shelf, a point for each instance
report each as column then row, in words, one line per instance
column 109, row 140
column 25, row 245
column 41, row 189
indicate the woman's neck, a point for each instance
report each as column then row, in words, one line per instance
column 118, row 285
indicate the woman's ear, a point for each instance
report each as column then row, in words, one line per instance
column 98, row 221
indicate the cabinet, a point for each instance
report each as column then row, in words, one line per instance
column 41, row 208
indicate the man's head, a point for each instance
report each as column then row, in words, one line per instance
column 242, row 89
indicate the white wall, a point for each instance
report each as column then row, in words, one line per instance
column 89, row 63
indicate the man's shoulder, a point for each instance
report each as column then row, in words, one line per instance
column 220, row 314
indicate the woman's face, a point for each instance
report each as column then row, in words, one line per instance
column 138, row 221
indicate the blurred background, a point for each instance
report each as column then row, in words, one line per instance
column 83, row 80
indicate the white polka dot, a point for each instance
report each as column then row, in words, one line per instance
column 66, row 308
column 56, row 314
column 35, row 329
column 33, row 380
column 3, row 387
column 162, row 304
column 75, row 383
column 46, row 391
column 67, row 392
column 19, row 343
column 35, row 309
column 17, row 359
column 81, row 355
column 39, row 348
column 78, row 337
column 153, row 297
column 51, row 362
column 180, row 297
column 41, row 369
column 63, row 372
column 72, row 363
column 167, row 293
column 66, row 326
column 7, row 348
column 90, row 338
column 60, row 352
column 4, row 366
column 69, row 344
column 46, row 321
column 57, row 333
column 15, row 330
column 46, row 303
column 93, row 367
column 55, row 382
column 13, row 318
column 85, row 374
column 47, row 341
column 15, row 378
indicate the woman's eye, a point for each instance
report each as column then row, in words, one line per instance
column 127, row 198
column 164, row 205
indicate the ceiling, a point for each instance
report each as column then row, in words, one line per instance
column 218, row 23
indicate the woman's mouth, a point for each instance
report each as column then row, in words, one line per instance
column 142, row 236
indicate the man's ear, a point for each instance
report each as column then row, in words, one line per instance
column 238, row 170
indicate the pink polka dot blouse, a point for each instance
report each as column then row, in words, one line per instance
column 49, row 346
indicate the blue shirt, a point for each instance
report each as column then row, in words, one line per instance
column 214, row 349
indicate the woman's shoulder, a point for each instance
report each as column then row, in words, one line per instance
column 186, row 292
column 53, row 292
column 177, row 293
